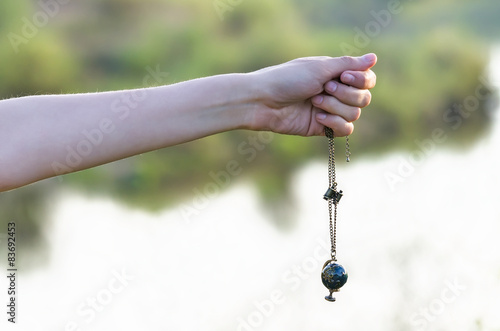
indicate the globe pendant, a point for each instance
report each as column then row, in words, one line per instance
column 333, row 277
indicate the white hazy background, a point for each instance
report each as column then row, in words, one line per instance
column 423, row 256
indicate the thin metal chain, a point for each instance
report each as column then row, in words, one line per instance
column 332, row 207
column 347, row 150
column 331, row 158
column 332, row 184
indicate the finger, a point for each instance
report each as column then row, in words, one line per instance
column 360, row 79
column 348, row 95
column 339, row 125
column 338, row 65
column 333, row 106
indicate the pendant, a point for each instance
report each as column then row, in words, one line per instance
column 333, row 277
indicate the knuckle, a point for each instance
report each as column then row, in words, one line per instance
column 363, row 80
column 346, row 59
column 372, row 79
column 346, row 130
column 355, row 115
column 366, row 99
column 350, row 130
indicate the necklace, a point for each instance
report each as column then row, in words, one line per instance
column 333, row 274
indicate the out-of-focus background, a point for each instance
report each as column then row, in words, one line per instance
column 170, row 240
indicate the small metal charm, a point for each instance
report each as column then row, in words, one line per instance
column 333, row 277
column 332, row 194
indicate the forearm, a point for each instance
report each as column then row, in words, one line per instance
column 45, row 136
column 50, row 135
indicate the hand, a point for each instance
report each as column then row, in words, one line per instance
column 305, row 95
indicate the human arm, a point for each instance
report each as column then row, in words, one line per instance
column 45, row 136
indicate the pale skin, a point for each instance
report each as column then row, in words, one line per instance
column 299, row 97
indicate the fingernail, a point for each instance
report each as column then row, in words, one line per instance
column 321, row 116
column 370, row 57
column 347, row 78
column 317, row 99
column 331, row 86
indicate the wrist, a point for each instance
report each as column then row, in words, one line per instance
column 259, row 111
column 243, row 102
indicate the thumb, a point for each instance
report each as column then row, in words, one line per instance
column 338, row 65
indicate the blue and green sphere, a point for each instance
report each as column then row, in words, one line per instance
column 333, row 277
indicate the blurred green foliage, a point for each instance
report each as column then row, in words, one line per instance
column 431, row 55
